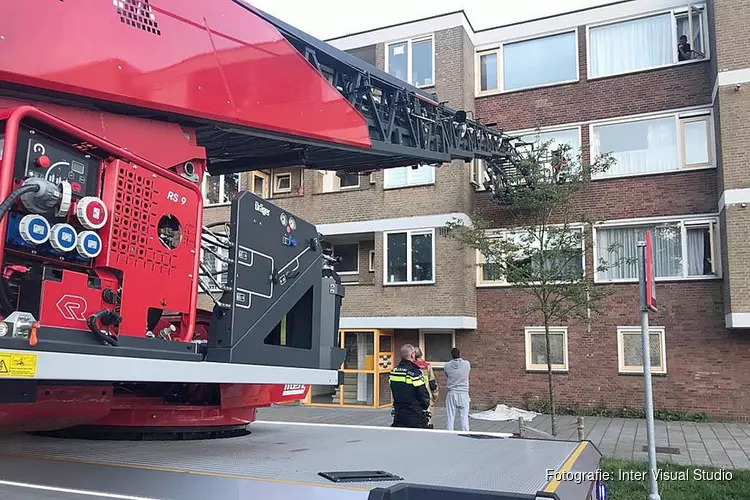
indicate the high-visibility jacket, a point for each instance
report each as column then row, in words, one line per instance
column 410, row 396
column 429, row 376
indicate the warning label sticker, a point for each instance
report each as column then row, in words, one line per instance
column 17, row 365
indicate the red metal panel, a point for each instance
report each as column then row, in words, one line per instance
column 166, row 144
column 137, row 198
column 68, row 302
column 210, row 59
column 650, row 281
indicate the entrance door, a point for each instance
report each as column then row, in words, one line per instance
column 369, row 357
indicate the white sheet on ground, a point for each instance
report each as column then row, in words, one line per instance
column 502, row 413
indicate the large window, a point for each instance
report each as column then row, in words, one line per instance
column 349, row 254
column 339, row 181
column 655, row 144
column 647, row 42
column 409, row 257
column 630, row 350
column 682, row 249
column 408, row 176
column 412, row 61
column 536, row 348
column 436, row 345
column 220, row 189
column 529, row 63
column 564, row 260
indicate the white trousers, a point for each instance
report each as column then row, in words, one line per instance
column 457, row 403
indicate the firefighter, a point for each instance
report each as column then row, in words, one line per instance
column 411, row 399
column 432, row 387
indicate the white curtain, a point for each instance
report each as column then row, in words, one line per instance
column 617, row 247
column 631, row 45
column 407, row 176
column 394, row 177
column 638, row 147
column 683, row 28
column 696, row 247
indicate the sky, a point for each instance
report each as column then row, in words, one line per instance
column 325, row 19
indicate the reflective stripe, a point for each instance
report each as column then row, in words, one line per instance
column 408, row 379
column 416, row 383
column 397, row 378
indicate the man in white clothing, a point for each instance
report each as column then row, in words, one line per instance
column 457, row 398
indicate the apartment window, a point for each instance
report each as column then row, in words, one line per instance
column 682, row 249
column 412, row 61
column 555, row 139
column 282, row 183
column 408, row 176
column 409, row 257
column 220, row 189
column 536, row 348
column 529, row 63
column 215, row 266
column 630, row 350
column 525, row 264
column 655, row 144
column 436, row 345
column 479, row 173
column 371, row 260
column 349, row 254
column 259, row 183
column 647, row 42
column 337, row 181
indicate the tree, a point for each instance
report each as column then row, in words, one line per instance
column 543, row 251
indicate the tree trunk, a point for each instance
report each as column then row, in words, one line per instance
column 549, row 378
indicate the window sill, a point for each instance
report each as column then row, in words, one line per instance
column 680, row 170
column 217, row 205
column 423, row 184
column 496, row 92
column 634, row 281
column 344, row 190
column 645, row 70
column 411, row 283
column 544, row 370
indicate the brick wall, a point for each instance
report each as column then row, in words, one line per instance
column 708, row 368
column 731, row 19
column 642, row 92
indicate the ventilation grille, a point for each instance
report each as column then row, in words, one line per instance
column 133, row 221
column 138, row 14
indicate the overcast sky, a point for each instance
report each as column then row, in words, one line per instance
column 330, row 18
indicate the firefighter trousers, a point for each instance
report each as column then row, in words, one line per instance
column 457, row 405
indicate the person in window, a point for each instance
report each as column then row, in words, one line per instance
column 457, row 398
column 432, row 387
column 684, row 51
column 408, row 387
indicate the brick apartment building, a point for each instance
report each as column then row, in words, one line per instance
column 604, row 79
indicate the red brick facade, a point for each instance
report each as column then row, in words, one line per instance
column 708, row 367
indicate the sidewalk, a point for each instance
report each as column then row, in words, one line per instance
column 701, row 444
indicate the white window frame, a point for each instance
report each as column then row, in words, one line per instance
column 347, row 273
column 371, row 260
column 409, row 234
column 539, row 330
column 498, row 50
column 266, row 183
column 410, row 42
column 477, row 170
column 685, row 222
column 409, row 182
column 279, row 176
column 678, row 115
column 500, row 233
column 452, row 333
column 204, row 189
column 636, row 331
column 336, row 180
column 675, row 62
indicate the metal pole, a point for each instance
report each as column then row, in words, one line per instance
column 645, row 339
column 580, row 429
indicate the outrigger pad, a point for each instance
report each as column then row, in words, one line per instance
column 282, row 310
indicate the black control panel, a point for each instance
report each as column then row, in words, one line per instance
column 42, row 156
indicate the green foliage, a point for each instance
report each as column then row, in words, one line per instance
column 548, row 241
